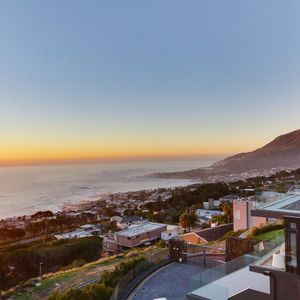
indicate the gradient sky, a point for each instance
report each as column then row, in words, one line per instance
column 100, row 79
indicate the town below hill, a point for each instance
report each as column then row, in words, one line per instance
column 48, row 242
column 280, row 154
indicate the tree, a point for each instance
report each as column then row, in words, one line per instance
column 227, row 208
column 188, row 219
column 42, row 214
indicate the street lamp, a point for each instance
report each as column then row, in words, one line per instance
column 41, row 269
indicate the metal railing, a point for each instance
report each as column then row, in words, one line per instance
column 209, row 275
column 131, row 280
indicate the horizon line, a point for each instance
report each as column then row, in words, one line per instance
column 123, row 159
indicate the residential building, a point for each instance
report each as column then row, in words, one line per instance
column 275, row 274
column 135, row 235
column 118, row 221
column 228, row 198
column 211, row 204
column 206, row 235
column 242, row 218
column 131, row 220
column 77, row 234
column 171, row 232
column 204, row 215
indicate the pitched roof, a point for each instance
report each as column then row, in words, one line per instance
column 214, row 233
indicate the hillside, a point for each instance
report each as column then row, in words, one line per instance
column 283, row 151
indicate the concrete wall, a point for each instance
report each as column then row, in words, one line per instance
column 240, row 215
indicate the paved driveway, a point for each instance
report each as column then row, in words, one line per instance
column 172, row 282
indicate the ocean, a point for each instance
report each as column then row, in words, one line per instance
column 27, row 189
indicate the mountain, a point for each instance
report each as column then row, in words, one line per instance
column 283, row 151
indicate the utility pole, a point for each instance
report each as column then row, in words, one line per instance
column 41, row 270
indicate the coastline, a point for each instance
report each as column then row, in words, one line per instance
column 25, row 190
column 87, row 201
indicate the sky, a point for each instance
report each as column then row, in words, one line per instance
column 161, row 78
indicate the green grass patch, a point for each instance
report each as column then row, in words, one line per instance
column 102, row 264
column 23, row 296
column 48, row 282
column 269, row 235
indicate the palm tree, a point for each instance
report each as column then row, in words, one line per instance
column 188, row 219
column 227, row 208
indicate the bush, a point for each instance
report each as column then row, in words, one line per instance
column 232, row 233
column 91, row 292
column 77, row 263
column 161, row 244
column 54, row 255
column 104, row 289
column 111, row 278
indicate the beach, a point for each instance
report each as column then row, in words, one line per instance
column 27, row 189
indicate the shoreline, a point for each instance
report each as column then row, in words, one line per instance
column 91, row 199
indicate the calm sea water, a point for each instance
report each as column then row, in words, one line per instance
column 27, row 189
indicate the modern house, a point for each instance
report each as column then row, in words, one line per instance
column 242, row 218
column 77, row 234
column 242, row 207
column 86, row 230
column 275, row 274
column 135, row 235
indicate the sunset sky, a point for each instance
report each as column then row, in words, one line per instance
column 117, row 79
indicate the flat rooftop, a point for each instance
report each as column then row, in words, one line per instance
column 289, row 204
column 72, row 235
column 137, row 229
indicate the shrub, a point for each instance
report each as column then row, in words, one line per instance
column 161, row 244
column 91, row 292
column 111, row 278
column 77, row 263
column 54, row 255
column 232, row 234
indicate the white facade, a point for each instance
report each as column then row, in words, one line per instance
column 171, row 232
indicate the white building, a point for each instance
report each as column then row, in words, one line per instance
column 205, row 215
column 171, row 232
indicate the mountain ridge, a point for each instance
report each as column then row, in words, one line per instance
column 281, row 152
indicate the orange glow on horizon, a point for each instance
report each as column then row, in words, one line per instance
column 69, row 155
column 28, row 151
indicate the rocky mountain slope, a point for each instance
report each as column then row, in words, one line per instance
column 283, row 151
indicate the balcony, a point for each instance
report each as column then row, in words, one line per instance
column 230, row 279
